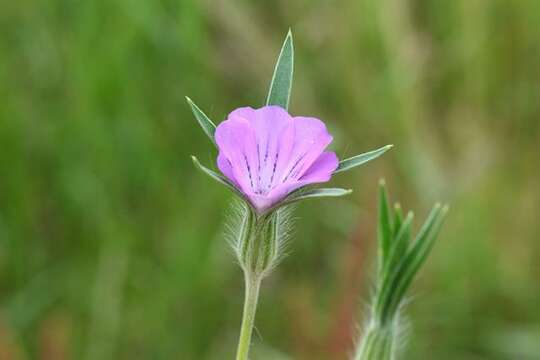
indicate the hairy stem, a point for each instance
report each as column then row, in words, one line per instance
column 377, row 344
column 253, row 284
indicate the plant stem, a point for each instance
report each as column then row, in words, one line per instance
column 253, row 284
column 377, row 344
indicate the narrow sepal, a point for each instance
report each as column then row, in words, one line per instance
column 281, row 84
column 204, row 121
column 241, row 240
column 314, row 193
column 261, row 240
column 270, row 244
column 217, row 177
column 361, row 159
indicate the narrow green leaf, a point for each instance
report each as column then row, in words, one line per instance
column 217, row 177
column 402, row 237
column 395, row 254
column 408, row 267
column 281, row 84
column 418, row 255
column 398, row 219
column 384, row 227
column 206, row 124
column 361, row 159
column 399, row 244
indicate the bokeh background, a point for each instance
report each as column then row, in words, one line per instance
column 111, row 244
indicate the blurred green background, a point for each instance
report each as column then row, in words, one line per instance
column 111, row 244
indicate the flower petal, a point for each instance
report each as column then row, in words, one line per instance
column 274, row 133
column 237, row 142
column 224, row 165
column 267, row 153
column 321, row 170
column 311, row 138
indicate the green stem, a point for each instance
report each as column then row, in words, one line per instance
column 377, row 344
column 253, row 284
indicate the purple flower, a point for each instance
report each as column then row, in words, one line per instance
column 266, row 153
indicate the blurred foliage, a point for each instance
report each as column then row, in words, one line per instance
column 111, row 243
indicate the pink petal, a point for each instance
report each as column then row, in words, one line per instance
column 237, row 143
column 311, row 138
column 321, row 170
column 267, row 153
column 274, row 133
column 224, row 165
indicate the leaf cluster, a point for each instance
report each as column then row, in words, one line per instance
column 399, row 256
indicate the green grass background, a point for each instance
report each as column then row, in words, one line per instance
column 111, row 243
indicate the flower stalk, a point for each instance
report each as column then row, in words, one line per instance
column 252, row 287
column 258, row 246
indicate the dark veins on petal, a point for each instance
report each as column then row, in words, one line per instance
column 294, row 167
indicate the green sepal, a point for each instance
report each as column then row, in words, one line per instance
column 313, row 193
column 219, row 178
column 281, row 84
column 361, row 159
column 204, row 121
